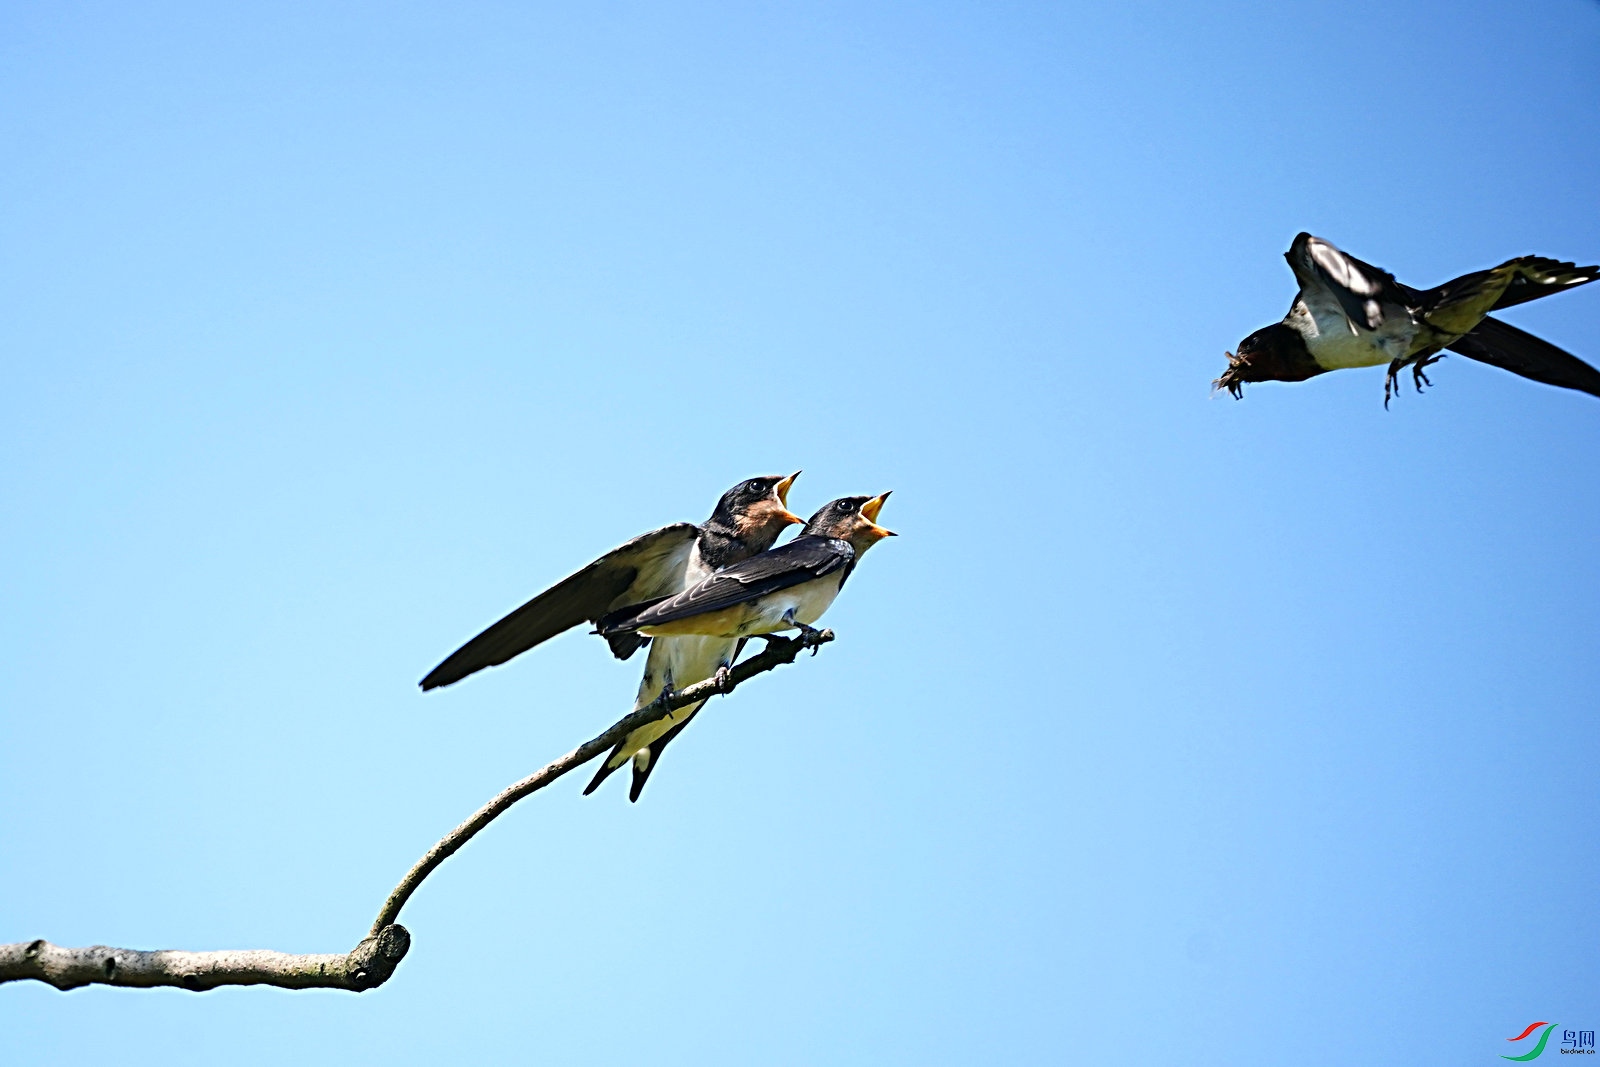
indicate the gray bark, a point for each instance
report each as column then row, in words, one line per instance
column 367, row 965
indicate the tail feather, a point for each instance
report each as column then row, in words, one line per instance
column 642, row 774
column 645, row 759
column 606, row 768
column 1501, row 345
column 653, row 756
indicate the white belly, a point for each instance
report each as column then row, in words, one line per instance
column 683, row 661
column 807, row 602
column 1335, row 342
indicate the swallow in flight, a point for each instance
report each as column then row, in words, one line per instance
column 783, row 589
column 747, row 521
column 1352, row 314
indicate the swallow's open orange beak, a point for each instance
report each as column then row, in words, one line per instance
column 782, row 488
column 869, row 511
column 782, row 491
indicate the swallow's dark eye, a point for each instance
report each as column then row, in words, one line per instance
column 756, row 487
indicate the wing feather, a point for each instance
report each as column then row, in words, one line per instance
column 650, row 566
column 800, row 560
column 1360, row 288
column 1501, row 345
column 1538, row 276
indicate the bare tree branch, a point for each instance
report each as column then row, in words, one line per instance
column 371, row 962
column 779, row 650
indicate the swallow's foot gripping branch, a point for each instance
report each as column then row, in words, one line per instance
column 810, row 637
column 371, row 962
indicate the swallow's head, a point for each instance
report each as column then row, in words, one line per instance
column 1273, row 353
column 757, row 510
column 853, row 519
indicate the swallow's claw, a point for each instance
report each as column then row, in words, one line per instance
column 811, row 637
column 1391, row 382
column 724, row 679
column 1417, row 377
column 664, row 697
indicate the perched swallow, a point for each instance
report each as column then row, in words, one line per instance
column 1351, row 314
column 786, row 588
column 782, row 589
column 747, row 521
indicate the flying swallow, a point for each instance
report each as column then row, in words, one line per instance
column 1352, row 314
column 747, row 520
column 785, row 588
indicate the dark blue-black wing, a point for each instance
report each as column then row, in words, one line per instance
column 1500, row 345
column 646, row 568
column 801, row 560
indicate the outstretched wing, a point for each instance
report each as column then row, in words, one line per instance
column 800, row 560
column 1458, row 305
column 1500, row 345
column 1360, row 288
column 645, row 568
column 1537, row 276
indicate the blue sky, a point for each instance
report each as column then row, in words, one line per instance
column 1172, row 728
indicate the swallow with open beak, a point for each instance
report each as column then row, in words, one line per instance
column 1352, row 314
column 785, row 588
column 746, row 522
